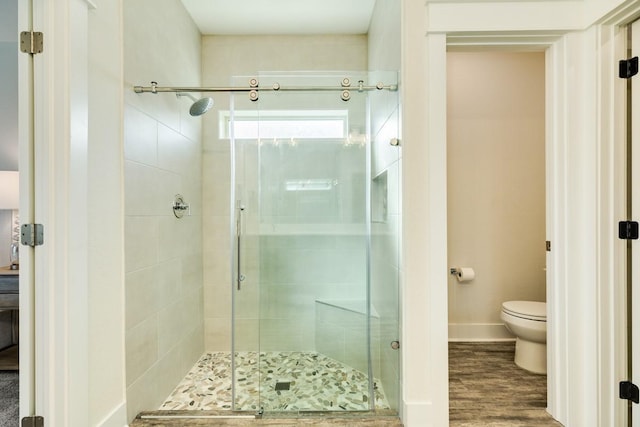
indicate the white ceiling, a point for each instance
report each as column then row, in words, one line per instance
column 239, row 17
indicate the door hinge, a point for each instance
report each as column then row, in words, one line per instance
column 629, row 391
column 31, row 42
column 33, row 421
column 628, row 68
column 32, row 234
column 628, row 230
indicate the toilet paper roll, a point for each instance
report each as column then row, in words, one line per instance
column 465, row 274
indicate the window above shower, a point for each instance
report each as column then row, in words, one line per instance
column 285, row 125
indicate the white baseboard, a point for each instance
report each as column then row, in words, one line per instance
column 117, row 417
column 479, row 332
column 417, row 414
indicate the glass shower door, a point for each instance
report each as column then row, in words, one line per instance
column 386, row 196
column 302, row 247
column 245, row 255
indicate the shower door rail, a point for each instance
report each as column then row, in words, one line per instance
column 275, row 87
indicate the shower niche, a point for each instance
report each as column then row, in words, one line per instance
column 379, row 198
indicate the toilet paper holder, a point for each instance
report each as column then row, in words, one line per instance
column 463, row 274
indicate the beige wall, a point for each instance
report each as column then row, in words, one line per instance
column 496, row 186
column 222, row 58
column 163, row 254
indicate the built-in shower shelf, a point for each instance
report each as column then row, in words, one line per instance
column 353, row 305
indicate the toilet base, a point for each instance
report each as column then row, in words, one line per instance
column 531, row 356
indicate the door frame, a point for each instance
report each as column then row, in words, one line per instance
column 55, row 195
column 555, row 192
column 632, row 98
column 633, row 251
column 25, row 135
column 613, row 45
column 585, row 327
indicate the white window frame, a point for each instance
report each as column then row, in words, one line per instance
column 227, row 117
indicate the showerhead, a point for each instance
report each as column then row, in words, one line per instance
column 199, row 106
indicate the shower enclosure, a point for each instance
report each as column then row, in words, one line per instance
column 315, row 305
column 304, row 220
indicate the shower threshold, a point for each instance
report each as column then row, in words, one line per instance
column 379, row 418
column 382, row 418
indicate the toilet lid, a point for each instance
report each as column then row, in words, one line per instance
column 527, row 309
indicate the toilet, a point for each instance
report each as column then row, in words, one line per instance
column 527, row 320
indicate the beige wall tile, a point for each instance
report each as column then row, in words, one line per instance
column 140, row 197
column 169, row 283
column 142, row 348
column 217, row 334
column 163, row 149
column 217, row 300
column 223, row 57
column 140, row 137
column 141, row 242
column 141, row 296
column 248, row 335
column 216, row 175
column 192, row 348
column 287, row 335
column 176, row 153
column 171, row 326
column 192, row 272
column 172, row 239
column 217, row 249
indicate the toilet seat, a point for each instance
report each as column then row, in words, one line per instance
column 530, row 310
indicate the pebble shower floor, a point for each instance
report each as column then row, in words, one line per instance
column 315, row 383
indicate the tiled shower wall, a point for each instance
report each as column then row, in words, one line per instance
column 163, row 254
column 224, row 57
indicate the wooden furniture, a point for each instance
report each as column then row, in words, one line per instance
column 9, row 289
column 9, row 300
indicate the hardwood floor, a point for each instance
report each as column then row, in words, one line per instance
column 486, row 388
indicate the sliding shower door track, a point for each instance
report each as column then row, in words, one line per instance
column 183, row 415
column 386, row 418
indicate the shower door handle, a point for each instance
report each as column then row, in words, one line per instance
column 239, row 275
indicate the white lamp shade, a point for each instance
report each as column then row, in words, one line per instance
column 9, row 190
